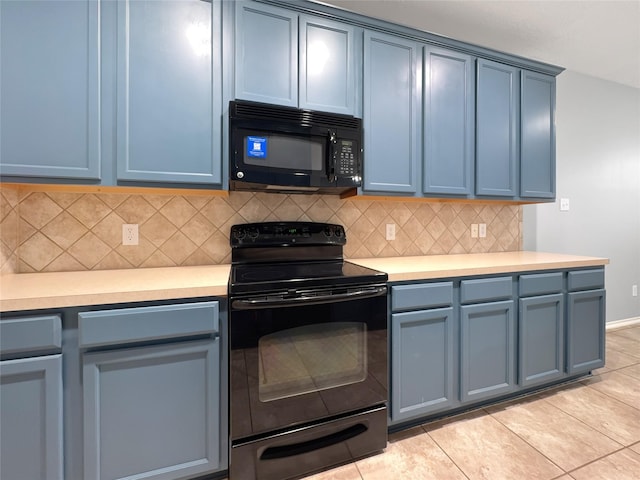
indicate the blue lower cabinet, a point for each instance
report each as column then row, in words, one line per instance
column 541, row 339
column 585, row 330
column 487, row 350
column 460, row 342
column 422, row 362
column 152, row 412
column 31, row 439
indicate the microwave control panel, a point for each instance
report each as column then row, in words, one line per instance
column 346, row 156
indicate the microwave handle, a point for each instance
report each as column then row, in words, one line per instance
column 331, row 161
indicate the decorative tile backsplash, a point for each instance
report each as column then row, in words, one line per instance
column 57, row 230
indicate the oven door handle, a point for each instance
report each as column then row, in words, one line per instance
column 255, row 303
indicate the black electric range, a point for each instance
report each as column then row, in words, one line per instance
column 307, row 352
column 292, row 256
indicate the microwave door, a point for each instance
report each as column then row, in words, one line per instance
column 286, row 153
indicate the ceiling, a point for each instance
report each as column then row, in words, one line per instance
column 600, row 38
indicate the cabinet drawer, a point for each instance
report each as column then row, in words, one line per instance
column 540, row 284
column 486, row 289
column 139, row 324
column 585, row 280
column 420, row 296
column 29, row 334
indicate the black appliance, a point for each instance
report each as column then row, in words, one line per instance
column 308, row 352
column 288, row 150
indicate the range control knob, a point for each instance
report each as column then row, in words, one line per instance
column 339, row 232
column 240, row 174
column 239, row 233
column 328, row 231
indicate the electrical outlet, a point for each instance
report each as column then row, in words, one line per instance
column 474, row 230
column 129, row 234
column 391, row 231
column 634, row 290
column 564, row 204
column 482, row 230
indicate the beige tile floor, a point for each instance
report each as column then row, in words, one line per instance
column 588, row 430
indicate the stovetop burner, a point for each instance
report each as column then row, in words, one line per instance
column 274, row 256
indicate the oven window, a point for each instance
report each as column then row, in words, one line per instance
column 282, row 151
column 311, row 358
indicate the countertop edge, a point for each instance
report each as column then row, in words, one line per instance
column 398, row 277
column 41, row 291
column 66, row 301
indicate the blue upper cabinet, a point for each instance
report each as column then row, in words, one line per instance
column 327, row 65
column 391, row 113
column 168, row 92
column 266, row 54
column 49, row 89
column 295, row 60
column 537, row 142
column 448, row 122
column 497, row 116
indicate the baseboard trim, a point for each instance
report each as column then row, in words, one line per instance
column 625, row 322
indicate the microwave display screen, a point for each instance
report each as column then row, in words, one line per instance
column 285, row 152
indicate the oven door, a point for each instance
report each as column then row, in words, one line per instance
column 298, row 360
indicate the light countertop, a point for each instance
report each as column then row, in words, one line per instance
column 32, row 291
column 462, row 265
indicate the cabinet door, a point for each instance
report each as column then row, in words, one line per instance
column 327, row 65
column 537, row 142
column 391, row 113
column 541, row 345
column 266, row 54
column 487, row 350
column 422, row 362
column 31, row 418
column 169, row 94
column 585, row 330
column 152, row 412
column 449, row 122
column 49, row 89
column 497, row 117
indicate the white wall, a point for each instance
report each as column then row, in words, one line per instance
column 598, row 170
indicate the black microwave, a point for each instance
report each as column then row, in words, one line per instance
column 289, row 150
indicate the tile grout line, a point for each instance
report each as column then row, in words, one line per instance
column 358, row 468
column 597, row 459
column 581, row 421
column 525, row 441
column 568, row 472
column 611, row 396
column 445, row 452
